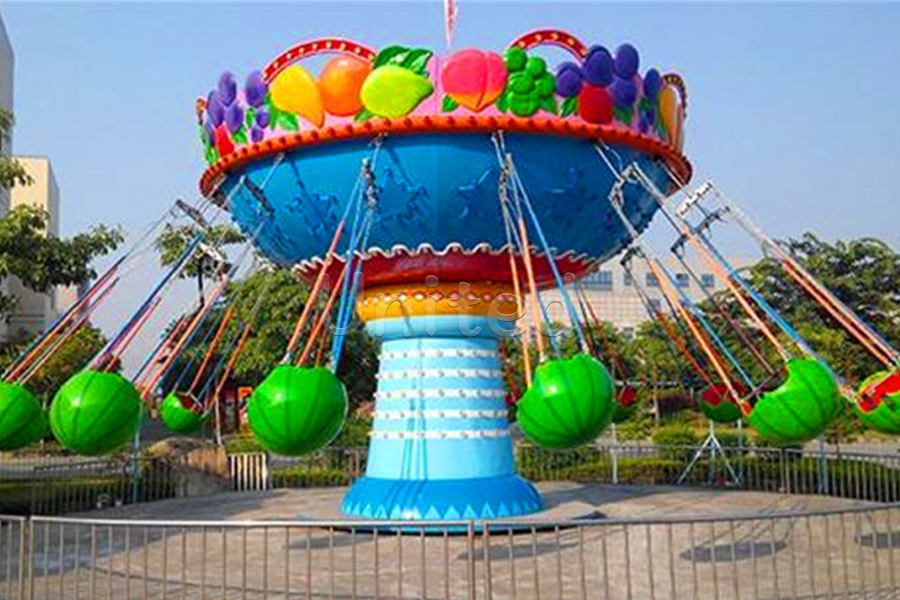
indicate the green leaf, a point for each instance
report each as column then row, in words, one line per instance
column 623, row 114
column 274, row 117
column 251, row 116
column 388, row 54
column 569, row 106
column 502, row 103
column 416, row 60
column 363, row 115
column 288, row 121
column 449, row 104
column 549, row 104
column 645, row 104
column 240, row 136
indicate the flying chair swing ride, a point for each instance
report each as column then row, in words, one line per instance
column 434, row 199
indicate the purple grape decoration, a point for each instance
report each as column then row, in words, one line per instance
column 598, row 67
column 262, row 118
column 234, row 117
column 623, row 91
column 214, row 109
column 227, row 88
column 652, row 84
column 644, row 124
column 210, row 133
column 257, row 133
column 568, row 79
column 627, row 61
column 255, row 89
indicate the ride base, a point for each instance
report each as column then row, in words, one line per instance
column 440, row 446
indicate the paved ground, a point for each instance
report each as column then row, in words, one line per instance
column 819, row 556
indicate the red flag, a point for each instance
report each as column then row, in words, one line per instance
column 451, row 11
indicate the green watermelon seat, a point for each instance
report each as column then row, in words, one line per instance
column 297, row 410
column 800, row 408
column 570, row 402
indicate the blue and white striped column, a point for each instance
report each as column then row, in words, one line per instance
column 440, row 446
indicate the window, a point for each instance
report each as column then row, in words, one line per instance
column 601, row 280
column 655, row 305
column 628, row 280
column 628, row 333
column 682, row 280
column 651, row 280
column 708, row 281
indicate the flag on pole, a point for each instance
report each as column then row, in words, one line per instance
column 451, row 11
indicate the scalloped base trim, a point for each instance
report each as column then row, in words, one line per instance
column 442, row 499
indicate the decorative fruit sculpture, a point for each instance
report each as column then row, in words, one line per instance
column 95, row 412
column 530, row 87
column 669, row 106
column 801, row 408
column 179, row 413
column 595, row 105
column 340, row 83
column 473, row 78
column 224, row 145
column 568, row 404
column 296, row 410
column 718, row 406
column 295, row 91
column 397, row 84
column 22, row 419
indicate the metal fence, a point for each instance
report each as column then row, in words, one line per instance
column 837, row 554
column 854, row 475
column 65, row 486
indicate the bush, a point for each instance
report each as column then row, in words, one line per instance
column 354, row 433
column 681, row 437
column 732, row 438
column 675, row 435
column 638, row 427
column 303, row 476
column 761, row 442
column 242, row 444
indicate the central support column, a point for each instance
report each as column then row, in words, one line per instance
column 440, row 447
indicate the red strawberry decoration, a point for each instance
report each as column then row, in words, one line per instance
column 595, row 105
column 224, row 145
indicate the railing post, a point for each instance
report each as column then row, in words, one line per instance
column 24, row 554
column 615, row 454
column 470, row 556
column 822, row 468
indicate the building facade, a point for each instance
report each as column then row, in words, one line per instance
column 34, row 311
column 612, row 291
column 7, row 68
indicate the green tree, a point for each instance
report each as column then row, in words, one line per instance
column 66, row 361
column 283, row 299
column 39, row 261
column 173, row 239
column 12, row 173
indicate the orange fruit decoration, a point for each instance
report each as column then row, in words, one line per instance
column 340, row 82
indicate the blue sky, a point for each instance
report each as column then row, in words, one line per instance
column 792, row 106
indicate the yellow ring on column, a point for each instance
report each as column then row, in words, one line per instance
column 480, row 298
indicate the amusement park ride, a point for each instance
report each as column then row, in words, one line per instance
column 434, row 198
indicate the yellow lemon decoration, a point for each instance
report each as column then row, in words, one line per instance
column 393, row 91
column 295, row 91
